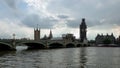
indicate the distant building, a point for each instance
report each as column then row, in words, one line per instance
column 36, row 34
column 83, row 31
column 101, row 38
column 68, row 37
column 45, row 37
column 49, row 37
column 118, row 40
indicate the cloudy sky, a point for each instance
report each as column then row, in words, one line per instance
column 61, row 16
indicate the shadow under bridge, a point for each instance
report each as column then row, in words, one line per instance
column 56, row 45
column 70, row 45
column 33, row 45
column 6, row 46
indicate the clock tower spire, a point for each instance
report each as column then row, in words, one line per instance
column 83, row 30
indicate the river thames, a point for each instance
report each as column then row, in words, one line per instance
column 83, row 57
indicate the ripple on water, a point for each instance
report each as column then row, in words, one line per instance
column 90, row 57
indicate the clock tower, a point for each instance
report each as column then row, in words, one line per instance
column 83, row 30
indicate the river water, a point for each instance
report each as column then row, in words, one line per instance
column 89, row 57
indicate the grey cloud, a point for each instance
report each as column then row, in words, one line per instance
column 73, row 23
column 11, row 3
column 77, row 22
column 75, row 8
column 112, row 21
column 63, row 16
column 34, row 19
column 10, row 10
column 84, row 8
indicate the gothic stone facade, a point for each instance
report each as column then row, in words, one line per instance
column 100, row 38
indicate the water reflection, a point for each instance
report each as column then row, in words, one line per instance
column 83, row 58
column 4, row 53
column 61, row 58
column 71, row 58
column 19, row 48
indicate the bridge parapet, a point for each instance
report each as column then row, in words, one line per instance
column 43, row 43
column 55, row 41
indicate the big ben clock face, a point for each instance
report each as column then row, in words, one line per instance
column 82, row 30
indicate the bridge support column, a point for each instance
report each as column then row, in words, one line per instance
column 64, row 45
column 13, row 45
column 13, row 42
column 47, row 45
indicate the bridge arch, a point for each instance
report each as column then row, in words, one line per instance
column 5, row 46
column 69, row 45
column 33, row 45
column 79, row 45
column 82, row 45
column 85, row 45
column 56, row 45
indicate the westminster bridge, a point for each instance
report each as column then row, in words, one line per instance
column 10, row 44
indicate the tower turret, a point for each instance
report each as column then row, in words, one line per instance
column 50, row 35
column 83, row 30
column 37, row 33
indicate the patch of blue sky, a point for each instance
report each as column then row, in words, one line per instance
column 22, row 6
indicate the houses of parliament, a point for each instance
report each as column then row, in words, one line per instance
column 82, row 35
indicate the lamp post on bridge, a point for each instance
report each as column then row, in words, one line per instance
column 13, row 36
column 13, row 42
